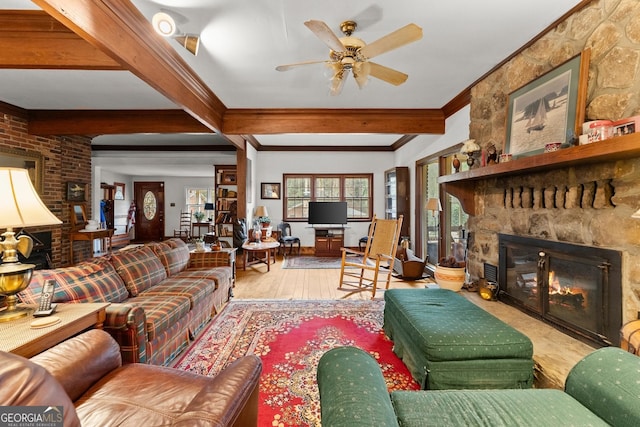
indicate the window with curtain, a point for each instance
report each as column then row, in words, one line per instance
column 355, row 189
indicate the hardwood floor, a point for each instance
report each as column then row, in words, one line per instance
column 302, row 284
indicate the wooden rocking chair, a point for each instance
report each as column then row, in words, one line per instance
column 377, row 258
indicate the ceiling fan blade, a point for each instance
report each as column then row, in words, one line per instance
column 387, row 74
column 361, row 71
column 337, row 81
column 324, row 33
column 405, row 35
column 287, row 67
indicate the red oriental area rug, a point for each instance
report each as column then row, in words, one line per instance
column 290, row 337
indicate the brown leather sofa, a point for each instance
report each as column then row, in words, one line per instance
column 85, row 375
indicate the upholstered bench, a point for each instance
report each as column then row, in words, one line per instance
column 447, row 342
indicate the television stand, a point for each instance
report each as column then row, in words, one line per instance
column 329, row 240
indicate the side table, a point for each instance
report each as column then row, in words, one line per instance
column 90, row 236
column 20, row 338
column 265, row 247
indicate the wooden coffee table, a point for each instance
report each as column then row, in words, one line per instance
column 20, row 338
column 255, row 249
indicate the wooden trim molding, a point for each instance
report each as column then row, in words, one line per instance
column 32, row 39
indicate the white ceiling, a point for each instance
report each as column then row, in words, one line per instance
column 242, row 41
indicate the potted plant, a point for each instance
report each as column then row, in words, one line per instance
column 264, row 221
column 450, row 273
column 199, row 216
column 199, row 242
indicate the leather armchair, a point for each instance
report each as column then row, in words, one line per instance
column 85, row 375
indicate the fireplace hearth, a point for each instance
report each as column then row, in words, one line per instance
column 575, row 288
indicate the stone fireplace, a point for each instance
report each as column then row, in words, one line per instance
column 566, row 209
column 575, row 288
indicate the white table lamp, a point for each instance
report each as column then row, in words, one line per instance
column 20, row 206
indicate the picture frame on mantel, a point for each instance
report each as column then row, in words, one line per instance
column 549, row 109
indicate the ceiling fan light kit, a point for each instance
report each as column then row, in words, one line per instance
column 353, row 54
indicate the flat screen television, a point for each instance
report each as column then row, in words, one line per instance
column 328, row 213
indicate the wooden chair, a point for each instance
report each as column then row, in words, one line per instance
column 286, row 239
column 377, row 258
column 184, row 232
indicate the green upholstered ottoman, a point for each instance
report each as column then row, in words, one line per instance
column 447, row 342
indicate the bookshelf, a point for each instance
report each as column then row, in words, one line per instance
column 226, row 202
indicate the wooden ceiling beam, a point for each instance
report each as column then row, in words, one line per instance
column 32, row 39
column 389, row 121
column 109, row 122
column 118, row 29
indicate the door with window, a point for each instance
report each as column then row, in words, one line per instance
column 442, row 225
column 149, row 200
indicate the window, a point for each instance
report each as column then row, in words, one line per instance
column 299, row 190
column 197, row 197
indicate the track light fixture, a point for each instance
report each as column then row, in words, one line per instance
column 165, row 25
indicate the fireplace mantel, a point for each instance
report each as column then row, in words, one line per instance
column 462, row 184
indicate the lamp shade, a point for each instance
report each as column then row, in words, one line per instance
column 262, row 211
column 469, row 146
column 20, row 205
column 433, row 204
column 208, row 206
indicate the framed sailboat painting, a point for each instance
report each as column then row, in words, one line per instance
column 549, row 109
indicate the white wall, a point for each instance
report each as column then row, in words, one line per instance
column 271, row 165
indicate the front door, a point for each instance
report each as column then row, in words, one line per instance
column 149, row 199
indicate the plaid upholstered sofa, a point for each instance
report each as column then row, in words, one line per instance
column 160, row 297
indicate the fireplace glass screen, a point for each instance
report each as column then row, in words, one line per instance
column 575, row 288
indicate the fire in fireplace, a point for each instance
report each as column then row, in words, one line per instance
column 575, row 288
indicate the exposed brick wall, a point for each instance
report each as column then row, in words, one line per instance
column 64, row 159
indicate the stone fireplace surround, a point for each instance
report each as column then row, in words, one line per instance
column 588, row 205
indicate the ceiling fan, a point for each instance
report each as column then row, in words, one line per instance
column 352, row 54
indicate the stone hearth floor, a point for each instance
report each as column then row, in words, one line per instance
column 554, row 352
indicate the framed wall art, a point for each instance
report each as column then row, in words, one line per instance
column 270, row 190
column 29, row 160
column 228, row 177
column 118, row 194
column 76, row 192
column 549, row 109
